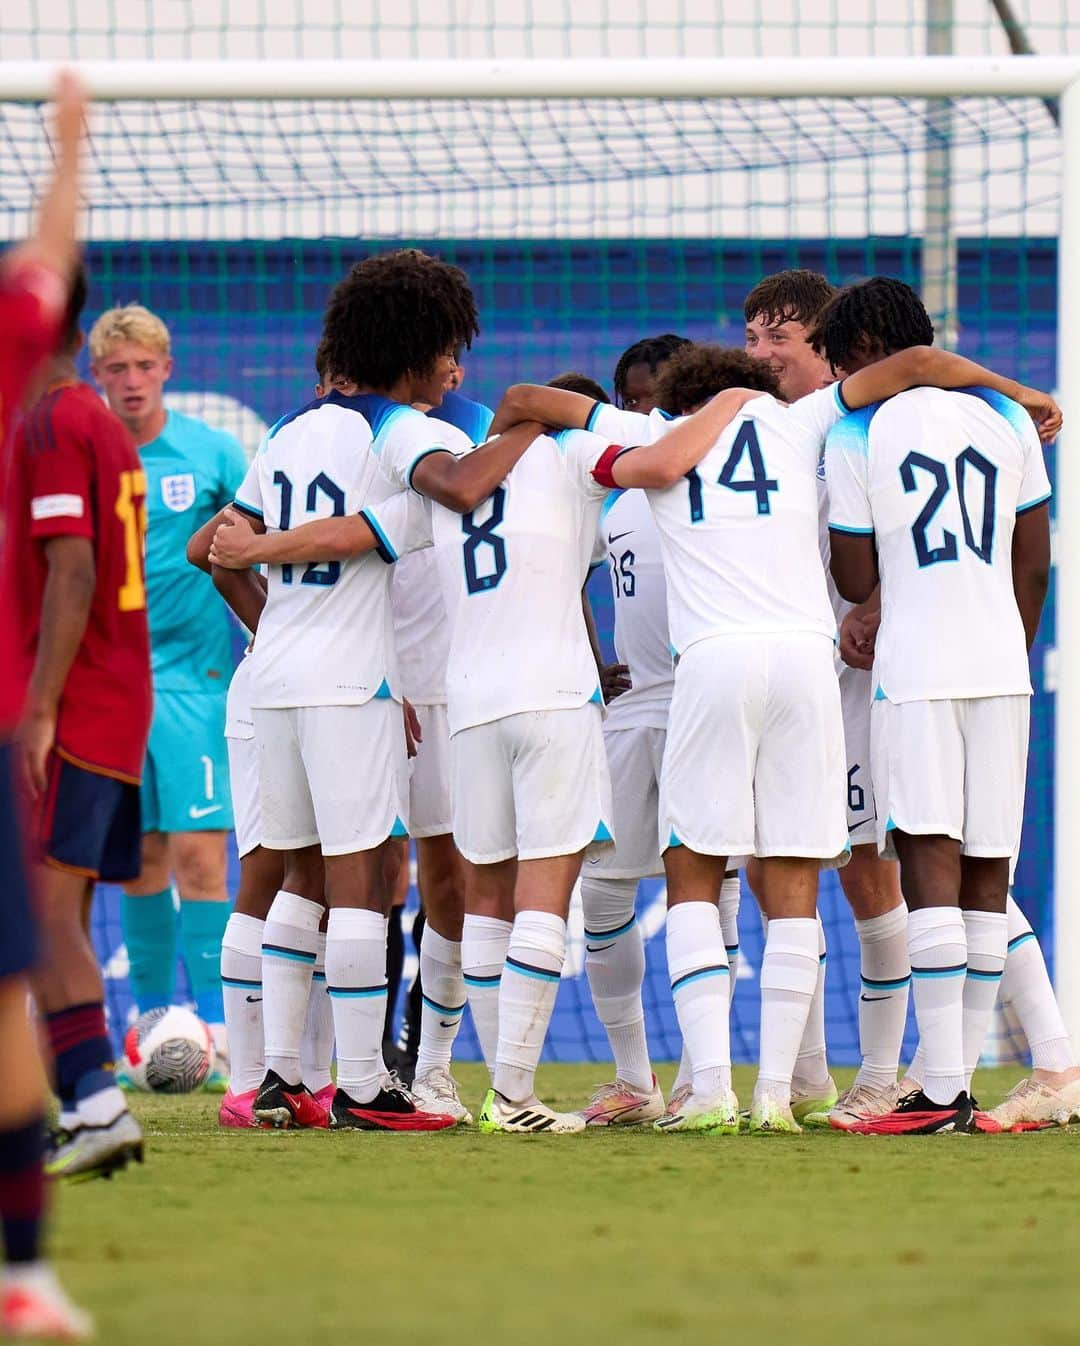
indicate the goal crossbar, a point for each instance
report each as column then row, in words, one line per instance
column 839, row 77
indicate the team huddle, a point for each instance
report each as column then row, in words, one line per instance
column 420, row 556
column 829, row 553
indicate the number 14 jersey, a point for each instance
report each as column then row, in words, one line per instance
column 740, row 532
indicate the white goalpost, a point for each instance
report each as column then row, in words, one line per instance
column 929, row 78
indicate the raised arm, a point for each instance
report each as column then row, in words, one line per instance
column 926, row 366
column 661, row 464
column 461, row 483
column 53, row 242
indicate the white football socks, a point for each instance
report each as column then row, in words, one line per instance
column 697, row 966
column 789, row 977
column 987, row 937
column 356, row 980
column 290, row 945
column 484, row 942
column 443, row 1001
column 615, row 966
column 937, row 947
column 242, row 994
column 317, row 1044
column 1026, row 986
column 530, row 983
column 812, row 1062
column 883, row 1000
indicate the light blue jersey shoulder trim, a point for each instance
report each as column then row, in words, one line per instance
column 609, row 500
column 1012, row 411
column 854, row 532
column 1033, row 504
column 852, row 431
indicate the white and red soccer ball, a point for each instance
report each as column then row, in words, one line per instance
column 168, row 1051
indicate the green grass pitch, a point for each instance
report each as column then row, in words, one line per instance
column 627, row 1238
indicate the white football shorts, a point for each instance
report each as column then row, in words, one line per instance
column 244, row 787
column 429, row 782
column 634, row 759
column 535, row 784
column 856, row 692
column 952, row 768
column 333, row 775
column 754, row 762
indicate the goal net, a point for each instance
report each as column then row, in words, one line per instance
column 584, row 224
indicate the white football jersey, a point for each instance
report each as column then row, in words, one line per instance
column 421, row 627
column 325, row 635
column 629, row 543
column 629, row 428
column 938, row 479
column 512, row 572
column 740, row 532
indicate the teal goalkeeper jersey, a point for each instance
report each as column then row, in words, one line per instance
column 192, row 471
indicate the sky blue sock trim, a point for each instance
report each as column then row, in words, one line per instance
column 481, row 981
column 527, row 970
column 689, row 977
column 612, row 934
column 442, row 1009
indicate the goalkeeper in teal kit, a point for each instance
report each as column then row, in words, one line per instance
column 192, row 472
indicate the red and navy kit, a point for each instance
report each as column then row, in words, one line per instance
column 32, row 301
column 76, row 473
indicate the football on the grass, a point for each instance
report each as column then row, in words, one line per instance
column 168, row 1051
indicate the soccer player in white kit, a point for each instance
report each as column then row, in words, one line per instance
column 790, row 973
column 530, row 789
column 324, row 678
column 780, row 312
column 944, row 498
column 422, row 631
column 628, row 544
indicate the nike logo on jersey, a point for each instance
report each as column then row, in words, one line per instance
column 254, row 999
column 614, row 537
column 599, row 948
column 872, row 999
column 449, row 1023
column 195, row 812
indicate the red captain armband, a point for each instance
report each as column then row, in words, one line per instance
column 602, row 471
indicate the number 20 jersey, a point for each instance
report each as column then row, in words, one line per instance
column 740, row 532
column 938, row 479
column 325, row 637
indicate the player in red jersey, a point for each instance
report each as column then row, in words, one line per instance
column 77, row 520
column 34, row 280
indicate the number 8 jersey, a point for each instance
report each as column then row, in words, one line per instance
column 938, row 479
column 511, row 572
